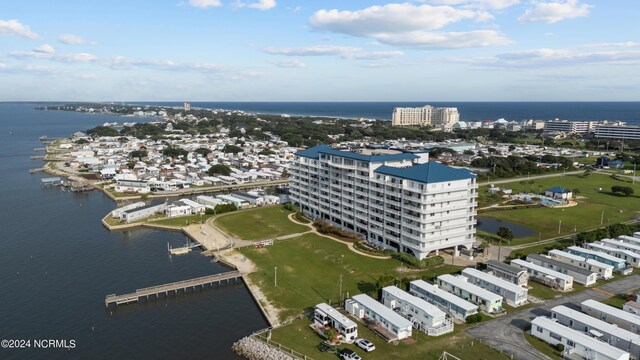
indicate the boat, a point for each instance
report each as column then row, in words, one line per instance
column 43, row 138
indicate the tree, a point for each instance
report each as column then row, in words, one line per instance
column 531, row 182
column 138, row 154
column 231, row 149
column 505, row 233
column 575, row 192
column 522, row 182
column 468, row 152
column 202, row 151
column 103, row 131
column 512, row 147
column 81, row 141
column 219, row 169
column 285, row 174
column 174, row 152
column 624, row 190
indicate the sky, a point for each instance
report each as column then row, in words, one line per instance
column 315, row 50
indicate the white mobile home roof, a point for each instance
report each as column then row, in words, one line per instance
column 434, row 289
column 415, row 301
column 630, row 239
column 461, row 282
column 509, row 286
column 598, row 253
column 603, row 247
column 542, row 269
column 336, row 315
column 567, row 255
column 578, row 337
column 621, row 244
column 621, row 314
column 597, row 324
column 390, row 315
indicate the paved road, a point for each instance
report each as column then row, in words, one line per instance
column 505, row 181
column 506, row 334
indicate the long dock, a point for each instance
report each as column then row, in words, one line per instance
column 171, row 287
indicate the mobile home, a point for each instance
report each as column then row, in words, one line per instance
column 456, row 307
column 545, row 275
column 386, row 322
column 575, row 342
column 425, row 316
column 612, row 315
column 603, row 270
column 513, row 294
column 510, row 273
column 458, row 285
column 325, row 315
column 580, row 275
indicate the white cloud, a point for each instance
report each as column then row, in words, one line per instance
column 70, row 39
column 65, row 58
column 553, row 12
column 45, row 49
column 409, row 25
column 345, row 52
column 288, row 63
column 445, row 40
column 14, row 27
column 479, row 4
column 260, row 4
column 388, row 18
column 626, row 44
column 374, row 55
column 315, row 50
column 546, row 57
column 203, row 4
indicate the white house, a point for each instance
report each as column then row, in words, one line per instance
column 458, row 285
column 612, row 315
column 510, row 273
column 545, row 275
column 603, row 270
column 142, row 212
column 559, row 192
column 425, row 316
column 386, row 322
column 119, row 212
column 456, row 307
column 575, row 342
column 513, row 294
column 580, row 275
column 132, row 186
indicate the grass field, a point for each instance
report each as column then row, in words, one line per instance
column 259, row 224
column 298, row 336
column 542, row 346
column 592, row 202
column 298, row 288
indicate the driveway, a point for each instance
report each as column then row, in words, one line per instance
column 506, row 334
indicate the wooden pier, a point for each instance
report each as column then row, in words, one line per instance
column 166, row 289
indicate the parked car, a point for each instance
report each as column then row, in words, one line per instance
column 346, row 354
column 365, row 345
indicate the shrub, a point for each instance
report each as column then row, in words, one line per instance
column 301, row 218
column 473, row 319
column 290, row 207
column 560, row 347
column 224, row 208
column 209, row 211
column 327, row 229
column 418, row 264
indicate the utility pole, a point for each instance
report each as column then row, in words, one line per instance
column 633, row 179
column 275, row 276
column 340, row 297
column 602, row 218
column 559, row 226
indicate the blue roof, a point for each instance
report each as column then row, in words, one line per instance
column 314, row 153
column 616, row 162
column 559, row 190
column 427, row 173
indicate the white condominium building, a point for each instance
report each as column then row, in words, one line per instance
column 444, row 117
column 398, row 201
column 618, row 131
column 580, row 127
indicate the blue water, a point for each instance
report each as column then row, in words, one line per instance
column 57, row 263
column 492, row 225
column 620, row 111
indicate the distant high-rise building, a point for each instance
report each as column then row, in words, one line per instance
column 187, row 106
column 439, row 117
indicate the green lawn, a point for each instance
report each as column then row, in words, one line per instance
column 616, row 301
column 182, row 220
column 298, row 288
column 299, row 337
column 542, row 346
column 259, row 224
column 585, row 216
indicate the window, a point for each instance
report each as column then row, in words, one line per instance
column 571, row 343
column 539, row 329
column 555, row 336
column 571, row 322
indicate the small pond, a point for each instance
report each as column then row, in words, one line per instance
column 492, row 225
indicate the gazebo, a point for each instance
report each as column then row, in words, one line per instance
column 559, row 192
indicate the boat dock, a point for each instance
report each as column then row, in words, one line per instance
column 52, row 181
column 172, row 287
